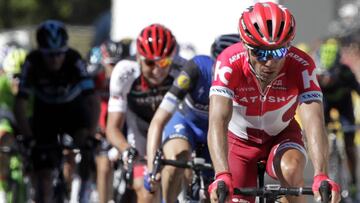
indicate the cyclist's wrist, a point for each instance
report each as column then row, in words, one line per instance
column 321, row 175
column 224, row 176
column 218, row 174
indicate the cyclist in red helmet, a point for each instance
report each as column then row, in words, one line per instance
column 136, row 90
column 253, row 99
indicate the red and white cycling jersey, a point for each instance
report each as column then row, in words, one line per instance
column 258, row 115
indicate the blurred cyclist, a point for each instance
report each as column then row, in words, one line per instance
column 136, row 90
column 337, row 83
column 253, row 99
column 101, row 63
column 180, row 124
column 9, row 82
column 64, row 102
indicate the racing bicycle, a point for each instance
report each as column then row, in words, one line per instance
column 197, row 191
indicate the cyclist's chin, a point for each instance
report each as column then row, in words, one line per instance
column 156, row 81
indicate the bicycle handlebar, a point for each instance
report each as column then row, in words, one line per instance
column 274, row 191
column 325, row 191
column 195, row 164
column 221, row 191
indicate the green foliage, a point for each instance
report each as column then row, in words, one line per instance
column 15, row 13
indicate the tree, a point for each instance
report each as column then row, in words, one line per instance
column 15, row 13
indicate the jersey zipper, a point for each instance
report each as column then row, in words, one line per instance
column 263, row 94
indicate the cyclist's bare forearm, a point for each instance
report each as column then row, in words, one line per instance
column 113, row 130
column 156, row 128
column 219, row 116
column 20, row 114
column 311, row 115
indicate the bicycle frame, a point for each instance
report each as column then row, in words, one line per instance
column 197, row 165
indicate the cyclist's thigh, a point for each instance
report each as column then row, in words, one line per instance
column 178, row 137
column 46, row 121
column 290, row 138
column 242, row 158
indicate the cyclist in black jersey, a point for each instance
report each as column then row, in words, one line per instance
column 337, row 82
column 64, row 102
column 136, row 90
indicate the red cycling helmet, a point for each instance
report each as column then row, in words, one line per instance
column 266, row 24
column 155, row 42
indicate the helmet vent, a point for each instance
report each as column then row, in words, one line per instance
column 280, row 29
column 269, row 25
column 258, row 30
column 164, row 44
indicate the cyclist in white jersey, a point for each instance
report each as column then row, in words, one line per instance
column 136, row 90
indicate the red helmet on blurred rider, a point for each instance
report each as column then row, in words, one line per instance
column 267, row 24
column 156, row 42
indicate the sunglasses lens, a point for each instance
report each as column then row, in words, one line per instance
column 149, row 62
column 264, row 55
column 162, row 63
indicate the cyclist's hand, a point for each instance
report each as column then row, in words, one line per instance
column 335, row 188
column 130, row 154
column 151, row 183
column 113, row 154
column 227, row 179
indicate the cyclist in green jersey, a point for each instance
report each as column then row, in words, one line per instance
column 11, row 165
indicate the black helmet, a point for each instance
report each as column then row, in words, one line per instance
column 112, row 52
column 52, row 35
column 222, row 42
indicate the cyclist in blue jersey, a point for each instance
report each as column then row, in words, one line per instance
column 182, row 120
column 64, row 102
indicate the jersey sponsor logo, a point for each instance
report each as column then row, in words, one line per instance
column 200, row 92
column 270, row 99
column 179, row 127
column 307, row 78
column 235, row 57
column 149, row 100
column 221, row 72
column 127, row 74
column 222, row 91
column 202, row 107
column 311, row 96
column 298, row 58
column 245, row 89
column 278, row 85
column 183, row 81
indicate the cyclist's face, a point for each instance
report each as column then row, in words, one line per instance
column 155, row 72
column 267, row 69
column 54, row 61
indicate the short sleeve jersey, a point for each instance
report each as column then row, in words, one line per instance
column 129, row 89
column 191, row 88
column 260, row 114
column 57, row 87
